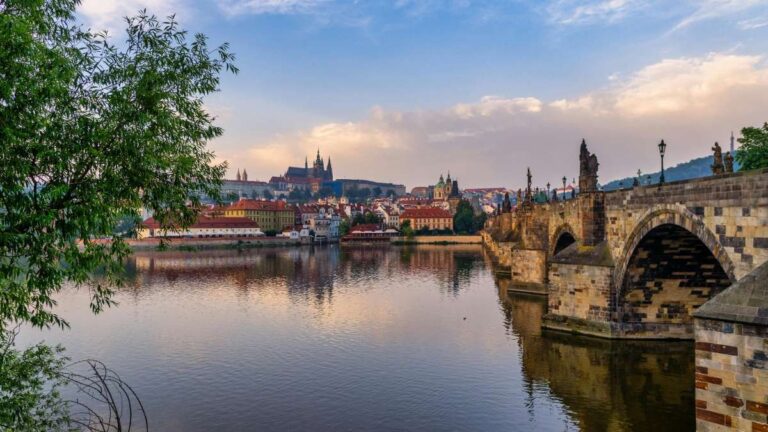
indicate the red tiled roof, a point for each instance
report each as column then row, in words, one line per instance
column 421, row 213
column 364, row 227
column 210, row 222
column 248, row 204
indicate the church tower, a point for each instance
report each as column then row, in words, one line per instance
column 238, row 178
column 318, row 167
column 329, row 171
column 245, row 175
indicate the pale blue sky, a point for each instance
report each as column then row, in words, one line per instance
column 402, row 90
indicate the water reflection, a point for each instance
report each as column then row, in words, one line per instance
column 374, row 338
column 606, row 385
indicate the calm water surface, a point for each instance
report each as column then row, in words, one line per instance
column 333, row 339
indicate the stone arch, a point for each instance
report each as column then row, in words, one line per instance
column 674, row 215
column 705, row 264
column 562, row 234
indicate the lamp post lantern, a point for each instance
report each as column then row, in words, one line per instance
column 662, row 150
column 564, row 180
column 548, row 186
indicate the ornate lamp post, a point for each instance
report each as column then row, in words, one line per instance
column 564, row 180
column 662, row 150
column 548, row 195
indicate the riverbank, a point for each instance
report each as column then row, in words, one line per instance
column 190, row 244
column 438, row 240
column 210, row 243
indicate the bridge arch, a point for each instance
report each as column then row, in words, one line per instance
column 564, row 236
column 671, row 263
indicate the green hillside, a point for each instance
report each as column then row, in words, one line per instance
column 695, row 168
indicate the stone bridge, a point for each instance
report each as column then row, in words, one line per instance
column 635, row 263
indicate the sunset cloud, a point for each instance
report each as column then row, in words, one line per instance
column 690, row 102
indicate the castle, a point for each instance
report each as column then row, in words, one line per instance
column 318, row 170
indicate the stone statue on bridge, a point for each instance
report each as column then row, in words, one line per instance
column 717, row 166
column 729, row 162
column 528, row 190
column 506, row 206
column 588, row 166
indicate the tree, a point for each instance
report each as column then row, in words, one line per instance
column 479, row 221
column 325, row 192
column 91, row 132
column 267, row 194
column 406, row 229
column 358, row 219
column 753, row 153
column 372, row 218
column 295, row 194
column 464, row 219
column 344, row 227
column 376, row 192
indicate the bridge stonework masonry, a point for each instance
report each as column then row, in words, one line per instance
column 635, row 263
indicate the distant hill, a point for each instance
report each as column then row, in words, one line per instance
column 694, row 168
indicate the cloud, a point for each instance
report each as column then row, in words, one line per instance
column 754, row 23
column 710, row 9
column 690, row 102
column 682, row 84
column 588, row 12
column 277, row 7
column 109, row 14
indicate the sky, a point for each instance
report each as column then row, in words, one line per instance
column 404, row 90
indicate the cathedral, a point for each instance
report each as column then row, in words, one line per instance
column 445, row 188
column 318, row 170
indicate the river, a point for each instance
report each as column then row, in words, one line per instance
column 388, row 338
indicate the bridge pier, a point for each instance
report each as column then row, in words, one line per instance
column 732, row 357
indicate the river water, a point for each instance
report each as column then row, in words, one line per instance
column 335, row 338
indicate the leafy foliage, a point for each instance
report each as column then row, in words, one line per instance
column 367, row 218
column 30, row 383
column 90, row 133
column 344, row 227
column 465, row 221
column 406, row 229
column 753, row 153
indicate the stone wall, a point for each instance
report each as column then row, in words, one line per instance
column 732, row 357
column 731, row 376
column 529, row 266
column 580, row 291
column 453, row 239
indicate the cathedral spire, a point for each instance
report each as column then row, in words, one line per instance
column 245, row 175
column 238, row 178
column 306, row 162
